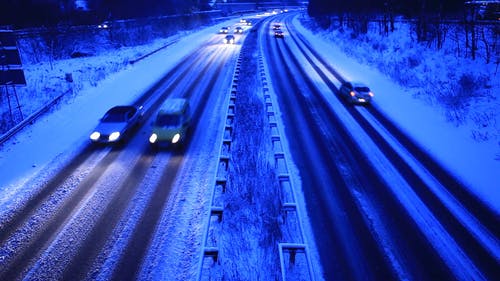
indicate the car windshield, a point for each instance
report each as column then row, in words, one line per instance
column 166, row 120
column 118, row 114
column 113, row 118
column 362, row 89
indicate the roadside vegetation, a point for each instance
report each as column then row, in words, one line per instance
column 454, row 67
column 251, row 228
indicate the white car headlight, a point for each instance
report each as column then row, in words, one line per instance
column 95, row 136
column 176, row 138
column 114, row 136
column 153, row 138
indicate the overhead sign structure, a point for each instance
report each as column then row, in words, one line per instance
column 11, row 72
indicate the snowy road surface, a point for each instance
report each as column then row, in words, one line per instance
column 366, row 183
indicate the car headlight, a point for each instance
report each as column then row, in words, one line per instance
column 153, row 138
column 176, row 138
column 114, row 136
column 95, row 136
column 371, row 94
column 352, row 94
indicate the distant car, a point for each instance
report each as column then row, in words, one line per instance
column 224, row 29
column 249, row 23
column 243, row 20
column 117, row 124
column 229, row 39
column 276, row 26
column 279, row 34
column 104, row 25
column 356, row 92
column 172, row 123
column 238, row 29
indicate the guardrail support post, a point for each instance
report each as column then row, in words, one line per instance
column 212, row 252
column 217, row 211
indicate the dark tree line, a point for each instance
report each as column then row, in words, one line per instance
column 356, row 14
column 409, row 8
column 431, row 20
column 30, row 13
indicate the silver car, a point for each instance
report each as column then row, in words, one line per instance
column 117, row 124
column 356, row 93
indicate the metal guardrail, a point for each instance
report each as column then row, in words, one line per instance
column 212, row 251
column 289, row 252
column 154, row 51
column 29, row 120
column 289, row 205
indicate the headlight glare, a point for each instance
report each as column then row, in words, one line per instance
column 153, row 138
column 95, row 136
column 176, row 138
column 114, row 136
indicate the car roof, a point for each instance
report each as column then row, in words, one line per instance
column 121, row 109
column 174, row 105
column 358, row 84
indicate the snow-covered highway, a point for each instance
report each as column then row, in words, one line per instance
column 110, row 198
column 373, row 195
column 378, row 204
